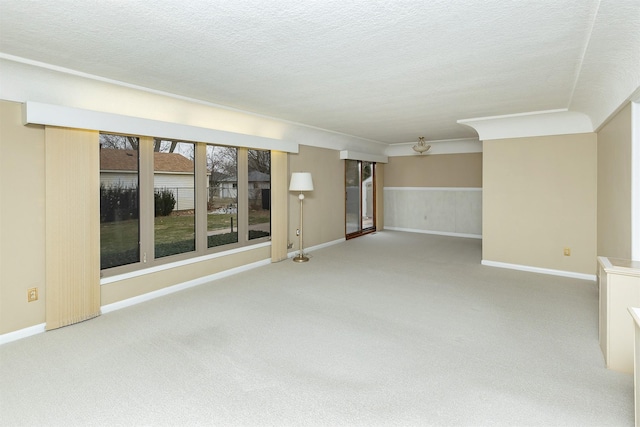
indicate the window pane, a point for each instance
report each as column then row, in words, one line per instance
column 353, row 195
column 222, row 195
column 367, row 195
column 259, row 193
column 173, row 182
column 119, row 201
column 360, row 215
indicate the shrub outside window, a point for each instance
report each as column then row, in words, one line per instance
column 174, row 197
column 119, row 201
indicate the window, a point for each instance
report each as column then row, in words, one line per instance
column 259, row 178
column 164, row 200
column 119, row 201
column 174, row 197
column 222, row 195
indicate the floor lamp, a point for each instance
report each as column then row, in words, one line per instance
column 301, row 181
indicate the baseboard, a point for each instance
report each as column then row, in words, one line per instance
column 316, row 247
column 571, row 274
column 22, row 333
column 33, row 330
column 181, row 286
column 440, row 233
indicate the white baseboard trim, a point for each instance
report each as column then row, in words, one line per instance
column 181, row 286
column 316, row 247
column 433, row 188
column 37, row 329
column 571, row 274
column 22, row 333
column 440, row 233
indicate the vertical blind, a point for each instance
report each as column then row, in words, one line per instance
column 72, row 226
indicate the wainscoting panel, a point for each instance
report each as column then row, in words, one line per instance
column 438, row 210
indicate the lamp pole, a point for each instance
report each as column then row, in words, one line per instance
column 301, row 257
column 301, row 182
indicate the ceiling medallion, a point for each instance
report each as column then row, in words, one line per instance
column 421, row 147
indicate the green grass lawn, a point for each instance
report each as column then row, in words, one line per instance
column 173, row 234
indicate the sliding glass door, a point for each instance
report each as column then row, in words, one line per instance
column 360, row 197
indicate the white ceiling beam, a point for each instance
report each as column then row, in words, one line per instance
column 57, row 115
column 367, row 157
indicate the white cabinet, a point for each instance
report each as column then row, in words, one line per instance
column 619, row 283
column 635, row 314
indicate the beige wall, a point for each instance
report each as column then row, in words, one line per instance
column 539, row 196
column 614, row 186
column 324, row 206
column 22, row 224
column 22, row 231
column 22, row 220
column 442, row 170
column 132, row 287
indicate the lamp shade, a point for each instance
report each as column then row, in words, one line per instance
column 301, row 181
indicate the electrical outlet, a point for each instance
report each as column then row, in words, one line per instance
column 289, row 245
column 567, row 251
column 32, row 294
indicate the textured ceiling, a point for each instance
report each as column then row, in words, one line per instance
column 388, row 71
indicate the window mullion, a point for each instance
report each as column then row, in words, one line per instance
column 243, row 196
column 201, row 197
column 147, row 207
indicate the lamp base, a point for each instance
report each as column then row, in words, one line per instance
column 300, row 258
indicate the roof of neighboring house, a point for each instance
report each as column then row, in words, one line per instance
column 127, row 160
column 254, row 176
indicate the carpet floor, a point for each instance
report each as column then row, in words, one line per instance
column 387, row 329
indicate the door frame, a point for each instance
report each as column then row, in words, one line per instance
column 361, row 231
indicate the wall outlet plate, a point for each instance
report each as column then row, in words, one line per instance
column 32, row 294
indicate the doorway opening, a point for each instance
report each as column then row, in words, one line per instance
column 360, row 187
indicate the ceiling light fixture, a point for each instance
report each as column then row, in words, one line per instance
column 421, row 147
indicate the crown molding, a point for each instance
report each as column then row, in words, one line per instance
column 535, row 123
